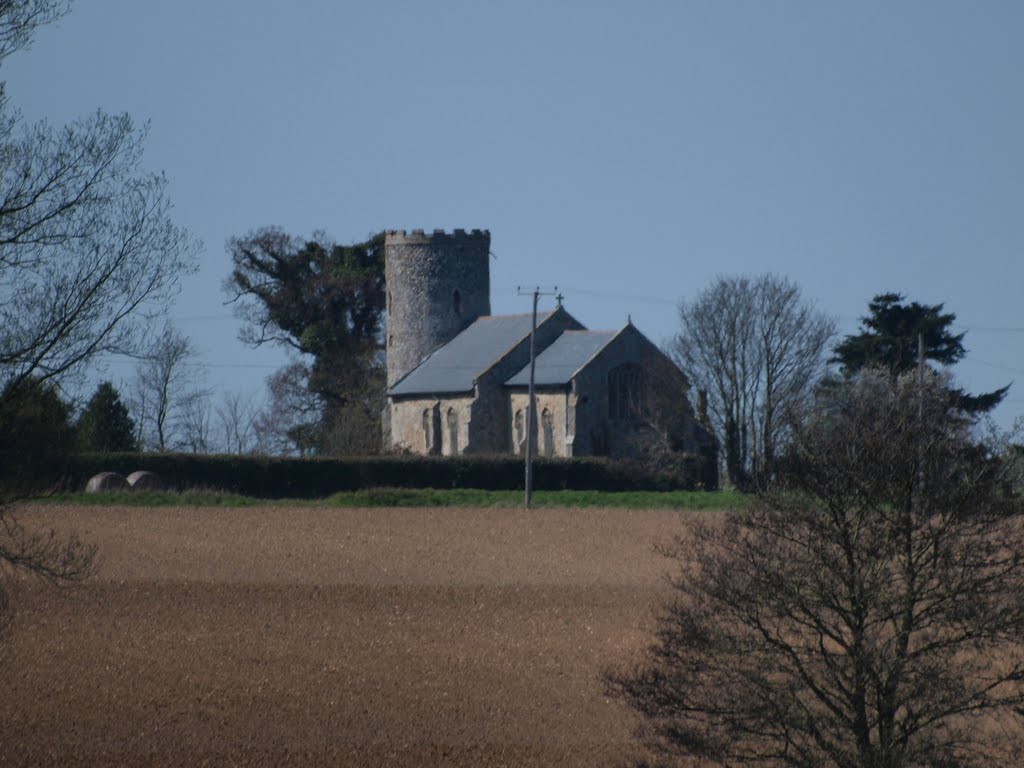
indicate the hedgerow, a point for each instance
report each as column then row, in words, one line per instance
column 306, row 478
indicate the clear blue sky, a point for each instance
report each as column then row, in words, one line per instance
column 625, row 151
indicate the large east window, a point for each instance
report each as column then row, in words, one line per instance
column 626, row 392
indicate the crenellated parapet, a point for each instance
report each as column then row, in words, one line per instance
column 420, row 236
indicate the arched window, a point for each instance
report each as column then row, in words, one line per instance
column 547, row 424
column 457, row 301
column 520, row 431
column 453, row 432
column 427, row 442
column 626, row 392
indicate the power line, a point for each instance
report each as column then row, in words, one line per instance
column 648, row 299
column 973, row 359
column 135, row 361
column 623, row 296
column 189, row 318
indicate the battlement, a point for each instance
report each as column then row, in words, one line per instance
column 420, row 237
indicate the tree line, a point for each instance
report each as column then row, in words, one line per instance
column 759, row 352
column 753, row 349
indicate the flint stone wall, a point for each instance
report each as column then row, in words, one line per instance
column 437, row 285
column 421, row 425
column 555, row 402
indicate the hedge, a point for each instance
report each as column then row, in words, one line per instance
column 309, row 478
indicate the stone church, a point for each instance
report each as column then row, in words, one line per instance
column 458, row 377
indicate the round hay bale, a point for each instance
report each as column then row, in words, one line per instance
column 144, row 480
column 106, row 481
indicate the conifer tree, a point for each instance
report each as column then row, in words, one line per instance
column 889, row 338
column 105, row 424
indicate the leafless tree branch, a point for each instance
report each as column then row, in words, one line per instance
column 868, row 611
column 757, row 349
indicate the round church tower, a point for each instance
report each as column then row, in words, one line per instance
column 437, row 285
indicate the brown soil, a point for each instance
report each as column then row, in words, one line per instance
column 281, row 636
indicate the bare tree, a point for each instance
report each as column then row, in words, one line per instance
column 194, row 422
column 290, row 422
column 19, row 19
column 43, row 553
column 236, row 415
column 867, row 612
column 1013, row 455
column 299, row 420
column 168, row 399
column 86, row 244
column 140, row 406
column 87, row 247
column 757, row 348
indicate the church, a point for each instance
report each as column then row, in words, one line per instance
column 458, row 376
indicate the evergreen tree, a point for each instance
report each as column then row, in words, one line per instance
column 105, row 424
column 36, row 439
column 889, row 339
column 327, row 301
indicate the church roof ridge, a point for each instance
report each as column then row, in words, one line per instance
column 564, row 358
column 455, row 366
column 540, row 321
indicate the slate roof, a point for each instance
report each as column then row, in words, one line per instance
column 559, row 362
column 456, row 365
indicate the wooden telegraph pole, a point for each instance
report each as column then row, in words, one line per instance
column 531, row 408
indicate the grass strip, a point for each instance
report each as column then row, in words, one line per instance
column 418, row 497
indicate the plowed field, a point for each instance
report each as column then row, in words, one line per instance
column 296, row 636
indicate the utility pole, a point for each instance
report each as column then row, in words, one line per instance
column 531, row 408
column 920, row 412
column 920, row 376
